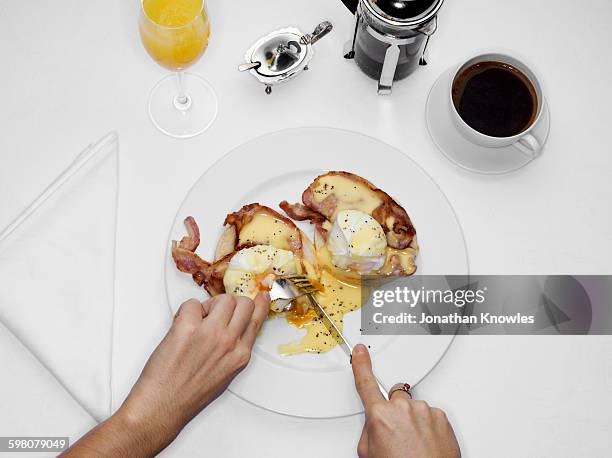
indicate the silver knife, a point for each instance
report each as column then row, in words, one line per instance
column 347, row 345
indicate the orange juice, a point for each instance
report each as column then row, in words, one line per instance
column 174, row 32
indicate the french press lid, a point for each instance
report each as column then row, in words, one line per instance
column 407, row 13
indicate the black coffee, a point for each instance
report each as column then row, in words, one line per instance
column 495, row 98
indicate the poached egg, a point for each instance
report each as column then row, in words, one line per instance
column 254, row 269
column 357, row 241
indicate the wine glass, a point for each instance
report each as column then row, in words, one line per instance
column 175, row 33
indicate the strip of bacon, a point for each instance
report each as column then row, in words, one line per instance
column 192, row 240
column 205, row 274
column 300, row 212
column 402, row 232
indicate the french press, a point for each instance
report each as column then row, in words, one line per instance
column 391, row 36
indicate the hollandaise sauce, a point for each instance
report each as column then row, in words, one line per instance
column 337, row 298
column 266, row 229
column 352, row 195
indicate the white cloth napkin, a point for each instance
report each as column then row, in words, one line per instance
column 57, row 275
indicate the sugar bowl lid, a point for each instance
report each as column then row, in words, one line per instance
column 278, row 53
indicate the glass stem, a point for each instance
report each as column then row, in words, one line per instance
column 182, row 98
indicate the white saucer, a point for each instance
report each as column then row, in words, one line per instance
column 461, row 151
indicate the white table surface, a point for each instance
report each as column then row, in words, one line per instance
column 73, row 70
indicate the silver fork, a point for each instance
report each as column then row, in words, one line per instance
column 303, row 287
column 283, row 292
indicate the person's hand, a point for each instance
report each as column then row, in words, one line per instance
column 207, row 346
column 399, row 427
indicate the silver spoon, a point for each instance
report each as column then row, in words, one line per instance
column 249, row 66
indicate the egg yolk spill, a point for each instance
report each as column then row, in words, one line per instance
column 337, row 298
column 340, row 293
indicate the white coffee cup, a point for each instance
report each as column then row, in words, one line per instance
column 525, row 141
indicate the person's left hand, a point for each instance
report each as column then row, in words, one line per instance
column 207, row 346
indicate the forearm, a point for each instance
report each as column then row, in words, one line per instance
column 206, row 347
column 122, row 435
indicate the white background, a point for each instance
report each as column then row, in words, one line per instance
column 73, row 70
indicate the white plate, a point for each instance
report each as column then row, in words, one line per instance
column 280, row 166
column 462, row 152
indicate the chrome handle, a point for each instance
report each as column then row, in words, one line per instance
column 388, row 71
column 319, row 32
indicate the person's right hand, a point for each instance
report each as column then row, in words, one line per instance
column 399, row 427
